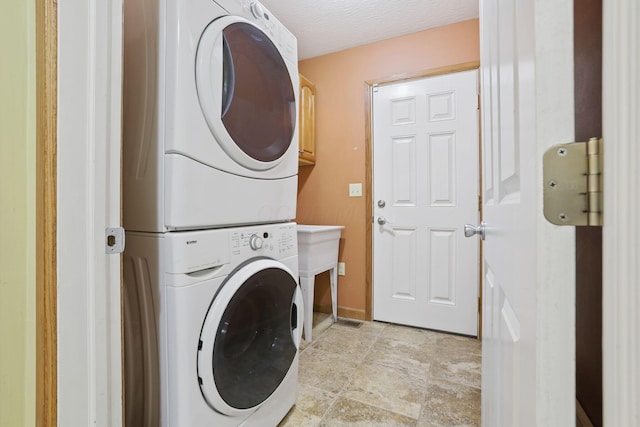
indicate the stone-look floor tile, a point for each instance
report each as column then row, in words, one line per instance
column 319, row 317
column 458, row 344
column 321, row 322
column 449, row 404
column 368, row 328
column 350, row 413
column 463, row 368
column 325, row 370
column 409, row 334
column 362, row 366
column 304, row 345
column 347, row 343
column 311, row 405
column 411, row 357
column 387, row 388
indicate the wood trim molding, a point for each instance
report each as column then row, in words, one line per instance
column 456, row 68
column 368, row 141
column 368, row 200
column 621, row 233
column 46, row 158
column 352, row 313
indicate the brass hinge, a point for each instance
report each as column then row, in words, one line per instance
column 573, row 183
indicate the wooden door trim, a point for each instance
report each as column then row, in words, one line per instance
column 368, row 87
column 46, row 259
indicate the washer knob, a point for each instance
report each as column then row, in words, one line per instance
column 255, row 242
column 256, row 9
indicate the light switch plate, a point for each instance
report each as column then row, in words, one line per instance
column 341, row 269
column 355, row 190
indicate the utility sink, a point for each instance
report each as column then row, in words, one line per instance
column 317, row 252
column 317, row 247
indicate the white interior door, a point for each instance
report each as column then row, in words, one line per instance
column 425, row 188
column 528, row 264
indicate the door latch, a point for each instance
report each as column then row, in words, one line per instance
column 114, row 240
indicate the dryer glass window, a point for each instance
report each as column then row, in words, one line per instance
column 254, row 347
column 258, row 104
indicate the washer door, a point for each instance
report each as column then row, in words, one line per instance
column 250, row 336
column 245, row 92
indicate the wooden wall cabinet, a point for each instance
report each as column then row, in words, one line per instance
column 307, row 131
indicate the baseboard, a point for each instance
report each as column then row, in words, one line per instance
column 322, row 308
column 351, row 313
column 582, row 419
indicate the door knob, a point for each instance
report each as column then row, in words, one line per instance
column 382, row 203
column 382, row 220
column 470, row 230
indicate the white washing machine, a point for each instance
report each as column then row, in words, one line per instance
column 210, row 116
column 213, row 322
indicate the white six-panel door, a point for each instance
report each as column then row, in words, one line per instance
column 425, row 188
column 528, row 264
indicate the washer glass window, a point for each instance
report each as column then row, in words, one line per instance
column 254, row 347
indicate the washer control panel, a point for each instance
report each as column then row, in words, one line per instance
column 255, row 242
column 273, row 240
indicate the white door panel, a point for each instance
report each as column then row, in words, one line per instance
column 528, row 280
column 425, row 188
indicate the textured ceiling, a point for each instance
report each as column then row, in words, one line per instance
column 325, row 26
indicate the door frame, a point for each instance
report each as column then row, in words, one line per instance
column 78, row 322
column 620, row 233
column 368, row 136
column 46, row 170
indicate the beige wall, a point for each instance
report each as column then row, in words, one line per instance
column 340, row 135
column 17, row 213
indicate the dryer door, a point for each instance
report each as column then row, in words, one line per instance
column 245, row 92
column 250, row 336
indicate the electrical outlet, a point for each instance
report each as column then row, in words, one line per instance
column 355, row 190
column 341, row 269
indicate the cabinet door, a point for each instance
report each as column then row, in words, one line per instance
column 307, row 145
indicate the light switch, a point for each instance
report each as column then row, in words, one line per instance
column 341, row 269
column 355, row 190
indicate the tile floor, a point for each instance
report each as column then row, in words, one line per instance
column 386, row 375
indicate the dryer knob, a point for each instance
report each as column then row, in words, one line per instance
column 256, row 9
column 255, row 242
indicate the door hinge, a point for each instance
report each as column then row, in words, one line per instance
column 114, row 240
column 374, row 87
column 572, row 185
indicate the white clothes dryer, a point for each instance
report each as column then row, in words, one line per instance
column 210, row 118
column 213, row 323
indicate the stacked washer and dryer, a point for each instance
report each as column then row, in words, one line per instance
column 213, row 310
